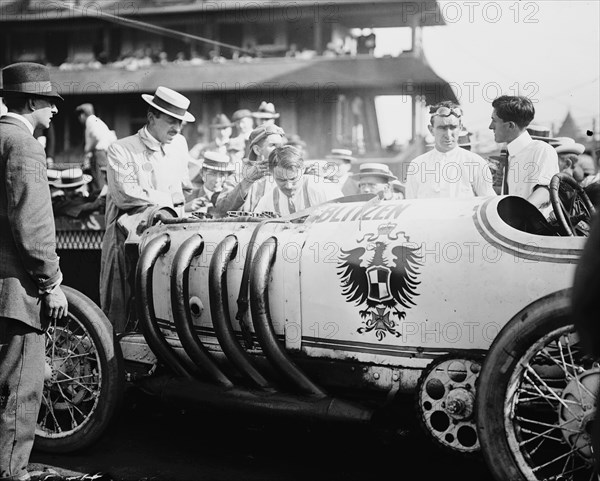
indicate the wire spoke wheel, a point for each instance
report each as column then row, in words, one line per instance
column 72, row 389
column 83, row 378
column 551, row 406
column 537, row 397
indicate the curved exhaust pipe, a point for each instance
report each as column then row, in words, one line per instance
column 263, row 325
column 145, row 305
column 217, row 288
column 180, row 294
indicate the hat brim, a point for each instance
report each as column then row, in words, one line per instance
column 570, row 148
column 545, row 139
column 16, row 93
column 340, row 157
column 264, row 115
column 86, row 180
column 187, row 117
column 358, row 175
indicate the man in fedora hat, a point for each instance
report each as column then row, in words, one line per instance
column 375, row 178
column 207, row 180
column 244, row 123
column 531, row 163
column 243, row 189
column 341, row 160
column 221, row 127
column 447, row 170
column 146, row 169
column 266, row 114
column 30, row 275
column 97, row 139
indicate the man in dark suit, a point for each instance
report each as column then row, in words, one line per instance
column 30, row 276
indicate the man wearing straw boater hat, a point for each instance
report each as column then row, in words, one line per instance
column 447, row 170
column 375, row 178
column 149, row 168
column 531, row 162
column 30, row 276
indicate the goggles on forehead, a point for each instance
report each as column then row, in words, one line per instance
column 446, row 111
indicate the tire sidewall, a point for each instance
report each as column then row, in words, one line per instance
column 513, row 341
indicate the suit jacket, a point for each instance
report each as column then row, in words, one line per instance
column 28, row 260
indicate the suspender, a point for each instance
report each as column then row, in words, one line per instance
column 276, row 205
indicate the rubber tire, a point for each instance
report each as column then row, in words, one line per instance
column 523, row 330
column 111, row 393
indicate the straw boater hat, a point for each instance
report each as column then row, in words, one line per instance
column 217, row 161
column 71, row 178
column 569, row 146
column 341, row 154
column 27, row 78
column 374, row 169
column 53, row 175
column 171, row 103
column 539, row 132
column 220, row 121
column 240, row 114
column 266, row 110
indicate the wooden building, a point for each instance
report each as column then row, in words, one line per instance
column 304, row 56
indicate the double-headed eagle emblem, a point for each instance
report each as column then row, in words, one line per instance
column 383, row 278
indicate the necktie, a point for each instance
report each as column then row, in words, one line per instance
column 291, row 206
column 505, row 159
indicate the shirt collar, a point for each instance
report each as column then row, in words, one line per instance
column 22, row 119
column 149, row 141
column 450, row 153
column 519, row 143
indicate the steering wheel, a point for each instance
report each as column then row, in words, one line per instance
column 572, row 206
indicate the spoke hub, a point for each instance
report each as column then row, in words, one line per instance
column 578, row 412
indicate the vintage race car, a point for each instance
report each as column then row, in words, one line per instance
column 334, row 312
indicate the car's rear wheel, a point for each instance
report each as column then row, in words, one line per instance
column 536, row 397
column 83, row 381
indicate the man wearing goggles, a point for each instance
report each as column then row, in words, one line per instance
column 447, row 170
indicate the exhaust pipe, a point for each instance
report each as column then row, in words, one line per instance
column 180, row 294
column 265, row 402
column 145, row 306
column 263, row 325
column 217, row 288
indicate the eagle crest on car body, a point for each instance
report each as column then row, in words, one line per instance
column 382, row 278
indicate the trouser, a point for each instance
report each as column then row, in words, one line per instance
column 22, row 357
column 98, row 160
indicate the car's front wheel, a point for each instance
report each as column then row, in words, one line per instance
column 83, row 378
column 536, row 397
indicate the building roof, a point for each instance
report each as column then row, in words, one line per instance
column 404, row 75
column 355, row 13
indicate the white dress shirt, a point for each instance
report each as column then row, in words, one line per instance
column 457, row 173
column 97, row 134
column 530, row 163
column 313, row 191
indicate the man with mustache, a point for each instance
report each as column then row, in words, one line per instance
column 149, row 168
